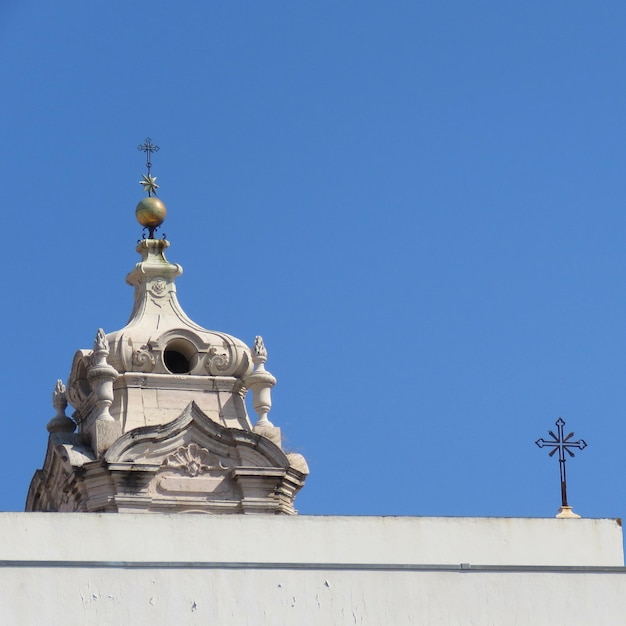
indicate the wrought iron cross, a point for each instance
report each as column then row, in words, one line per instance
column 147, row 180
column 148, row 147
column 562, row 444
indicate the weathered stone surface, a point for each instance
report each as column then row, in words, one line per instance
column 60, row 423
column 189, row 464
column 161, row 416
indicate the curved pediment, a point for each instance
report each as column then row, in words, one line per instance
column 190, row 464
column 235, row 447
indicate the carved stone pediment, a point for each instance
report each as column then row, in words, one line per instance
column 190, row 464
column 150, row 444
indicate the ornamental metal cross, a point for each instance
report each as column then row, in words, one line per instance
column 147, row 180
column 148, row 147
column 562, row 444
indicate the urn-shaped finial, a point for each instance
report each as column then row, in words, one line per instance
column 261, row 383
column 103, row 429
column 101, row 376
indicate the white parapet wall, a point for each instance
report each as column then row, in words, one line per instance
column 68, row 568
column 310, row 539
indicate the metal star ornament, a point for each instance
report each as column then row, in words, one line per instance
column 149, row 183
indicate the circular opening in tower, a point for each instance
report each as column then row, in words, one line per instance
column 178, row 356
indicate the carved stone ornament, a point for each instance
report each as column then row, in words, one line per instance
column 78, row 387
column 216, row 361
column 143, row 359
column 190, row 464
column 101, row 344
column 158, row 287
column 60, row 423
column 259, row 349
column 193, row 459
column 76, row 395
column 261, row 383
column 59, row 398
column 241, row 390
column 104, row 429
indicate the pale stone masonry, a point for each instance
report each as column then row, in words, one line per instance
column 161, row 418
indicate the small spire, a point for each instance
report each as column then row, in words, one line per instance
column 150, row 211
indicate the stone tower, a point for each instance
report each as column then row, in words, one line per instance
column 160, row 421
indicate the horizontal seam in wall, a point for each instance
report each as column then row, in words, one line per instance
column 384, row 567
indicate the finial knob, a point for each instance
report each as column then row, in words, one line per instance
column 150, row 213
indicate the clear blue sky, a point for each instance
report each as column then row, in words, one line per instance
column 420, row 206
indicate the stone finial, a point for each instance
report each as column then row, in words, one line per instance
column 60, row 423
column 101, row 376
column 101, row 344
column 259, row 350
column 103, row 429
column 59, row 397
column 260, row 382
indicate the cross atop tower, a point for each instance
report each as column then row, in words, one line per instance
column 148, row 147
column 562, row 444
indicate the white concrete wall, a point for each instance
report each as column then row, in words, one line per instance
column 85, row 569
column 122, row 597
column 310, row 539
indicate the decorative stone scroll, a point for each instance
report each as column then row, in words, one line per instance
column 216, row 362
column 143, row 359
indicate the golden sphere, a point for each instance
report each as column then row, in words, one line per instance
column 150, row 212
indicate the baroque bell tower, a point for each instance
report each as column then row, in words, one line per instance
column 160, row 421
